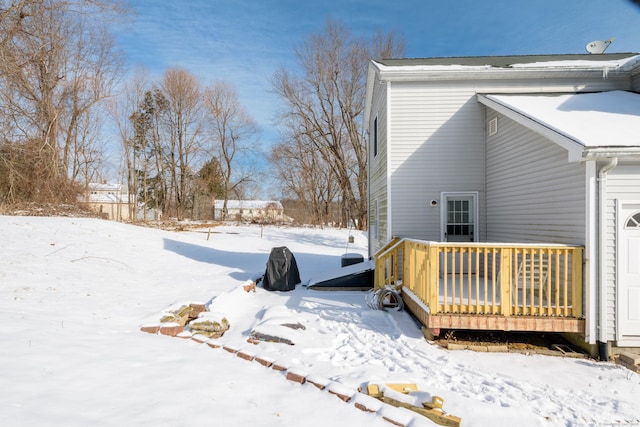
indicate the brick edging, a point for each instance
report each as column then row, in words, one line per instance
column 360, row 400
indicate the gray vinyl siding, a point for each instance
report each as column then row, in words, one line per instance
column 378, row 169
column 635, row 82
column 437, row 145
column 533, row 193
column 623, row 183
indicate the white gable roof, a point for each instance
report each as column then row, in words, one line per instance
column 248, row 204
column 108, row 198
column 105, row 187
column 107, row 193
column 589, row 120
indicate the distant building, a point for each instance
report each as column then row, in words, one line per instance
column 109, row 200
column 269, row 211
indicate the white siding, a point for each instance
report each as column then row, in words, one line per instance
column 437, row 145
column 623, row 183
column 533, row 193
column 378, row 168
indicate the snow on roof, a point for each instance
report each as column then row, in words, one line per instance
column 583, row 63
column 248, row 204
column 95, row 186
column 604, row 61
column 607, row 119
column 107, row 198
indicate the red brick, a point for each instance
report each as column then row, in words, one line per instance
column 212, row 344
column 278, row 367
column 196, row 309
column 341, row 396
column 395, row 423
column 152, row 329
column 263, row 362
column 245, row 356
column 229, row 349
column 295, row 378
column 363, row 408
column 171, row 330
column 318, row 385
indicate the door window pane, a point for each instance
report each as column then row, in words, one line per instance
column 459, row 219
column 634, row 221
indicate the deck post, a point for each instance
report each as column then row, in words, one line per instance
column 505, row 281
column 378, row 273
column 420, row 269
column 433, row 276
column 576, row 276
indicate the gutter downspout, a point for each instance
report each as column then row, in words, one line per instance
column 369, row 161
column 602, row 258
column 591, row 290
column 387, row 107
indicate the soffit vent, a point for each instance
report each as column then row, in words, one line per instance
column 493, row 126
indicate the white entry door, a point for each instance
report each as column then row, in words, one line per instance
column 459, row 216
column 629, row 274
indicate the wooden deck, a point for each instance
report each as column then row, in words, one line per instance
column 510, row 287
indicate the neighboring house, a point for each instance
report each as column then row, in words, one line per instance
column 520, row 150
column 269, row 211
column 152, row 214
column 109, row 200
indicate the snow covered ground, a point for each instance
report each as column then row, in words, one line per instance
column 74, row 293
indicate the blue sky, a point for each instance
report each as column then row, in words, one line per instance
column 244, row 41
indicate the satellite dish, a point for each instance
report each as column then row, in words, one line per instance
column 599, row 46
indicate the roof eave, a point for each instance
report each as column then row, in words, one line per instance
column 372, row 70
column 478, row 73
column 628, row 153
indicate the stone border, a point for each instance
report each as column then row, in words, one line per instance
column 396, row 416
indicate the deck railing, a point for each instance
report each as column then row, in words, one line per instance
column 485, row 278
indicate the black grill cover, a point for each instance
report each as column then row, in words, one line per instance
column 282, row 271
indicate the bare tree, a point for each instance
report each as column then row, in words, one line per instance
column 93, row 72
column 305, row 176
column 233, row 134
column 325, row 104
column 57, row 63
column 122, row 110
column 184, row 122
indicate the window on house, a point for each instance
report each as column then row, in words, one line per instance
column 375, row 136
column 634, row 221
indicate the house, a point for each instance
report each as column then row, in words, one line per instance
column 109, row 200
column 520, row 178
column 263, row 211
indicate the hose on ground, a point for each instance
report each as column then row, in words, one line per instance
column 383, row 299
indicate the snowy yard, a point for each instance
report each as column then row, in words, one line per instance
column 74, row 293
